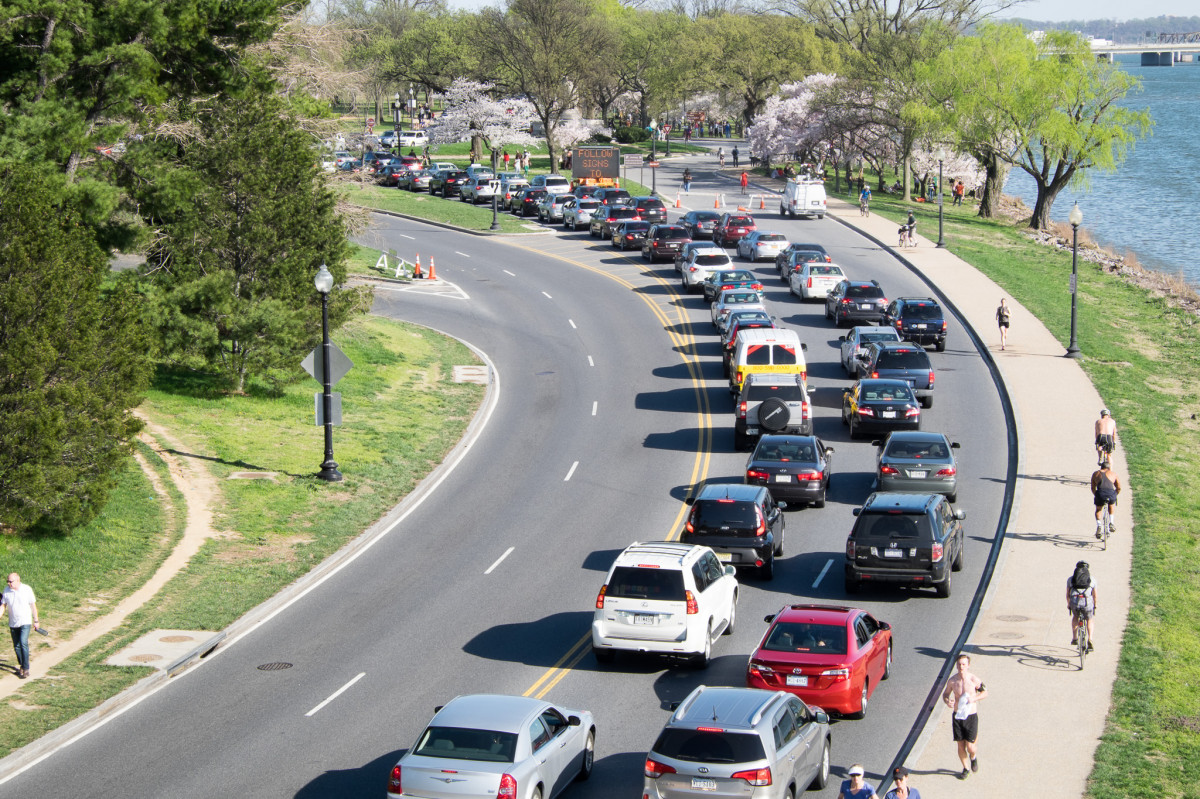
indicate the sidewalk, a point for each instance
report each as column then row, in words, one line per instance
column 1043, row 717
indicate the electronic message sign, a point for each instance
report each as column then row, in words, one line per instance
column 596, row 162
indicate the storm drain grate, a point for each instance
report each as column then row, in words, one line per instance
column 274, row 666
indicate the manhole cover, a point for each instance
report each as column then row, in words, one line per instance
column 274, row 666
column 175, row 639
column 1007, row 636
column 147, row 658
column 1013, row 618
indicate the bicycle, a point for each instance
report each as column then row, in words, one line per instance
column 1106, row 526
column 864, row 207
column 1080, row 634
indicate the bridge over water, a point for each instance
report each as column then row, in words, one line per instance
column 1170, row 49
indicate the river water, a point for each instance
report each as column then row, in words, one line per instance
column 1151, row 205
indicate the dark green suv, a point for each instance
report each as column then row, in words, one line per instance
column 919, row 320
column 908, row 539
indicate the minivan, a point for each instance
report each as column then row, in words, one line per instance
column 768, row 349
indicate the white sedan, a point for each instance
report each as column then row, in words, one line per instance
column 761, row 244
column 814, row 279
column 734, row 300
column 412, row 138
column 491, row 745
column 854, row 345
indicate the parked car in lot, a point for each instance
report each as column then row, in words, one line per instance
column 919, row 320
column 907, row 539
column 739, row 742
column 854, row 345
column 342, row 156
column 906, row 362
column 663, row 597
column 447, row 183
column 497, row 746
column 629, row 234
column 829, row 655
column 701, row 223
column 761, row 245
column 412, row 138
column 771, row 403
column 387, row 139
column 606, row 217
column 880, row 406
column 730, row 229
column 796, row 469
column 813, row 280
column 917, row 461
column 664, row 241
column 726, row 279
column 855, row 301
column 742, row 523
column 577, row 212
column 413, row 179
column 479, row 189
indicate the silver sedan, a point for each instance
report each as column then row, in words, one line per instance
column 918, row 462
column 489, row 745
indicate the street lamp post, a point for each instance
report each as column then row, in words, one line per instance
column 837, row 172
column 1076, row 219
column 396, row 119
column 653, row 159
column 496, row 192
column 941, row 157
column 324, row 284
column 412, row 107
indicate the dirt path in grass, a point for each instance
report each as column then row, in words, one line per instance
column 199, row 489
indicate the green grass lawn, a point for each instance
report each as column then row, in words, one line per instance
column 402, row 414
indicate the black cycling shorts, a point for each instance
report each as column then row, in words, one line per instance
column 1104, row 498
column 1105, row 442
column 966, row 729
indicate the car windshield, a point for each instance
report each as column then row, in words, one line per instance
column 932, row 450
column 459, row 743
column 892, row 525
column 709, row 746
column 903, row 359
column 630, row 582
column 922, row 312
column 824, row 639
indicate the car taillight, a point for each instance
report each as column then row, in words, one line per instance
column 394, row 781
column 693, row 607
column 762, row 522
column 828, row 259
column 874, row 374
column 865, row 412
column 911, row 412
column 691, row 269
column 754, row 474
column 759, row 669
column 931, row 378
column 810, row 281
column 845, row 300
column 741, row 410
column 943, row 327
column 805, row 411
column 654, row 769
column 888, row 470
column 508, row 787
column 899, row 324
column 850, row 547
column 837, row 675
column 725, row 288
column 756, row 286
column 600, row 597
column 810, row 476
column 937, row 552
column 949, row 472
column 740, row 376
column 755, row 776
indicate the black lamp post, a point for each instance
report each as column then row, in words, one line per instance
column 653, row 160
column 496, row 192
column 396, row 112
column 941, row 157
column 1076, row 219
column 324, row 283
column 837, row 172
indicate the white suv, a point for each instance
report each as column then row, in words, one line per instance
column 665, row 597
column 700, row 263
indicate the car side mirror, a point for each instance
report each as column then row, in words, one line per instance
column 804, row 347
column 438, row 709
column 770, row 617
column 877, row 443
column 955, row 445
column 829, row 450
column 731, row 571
column 960, row 514
column 673, row 706
column 821, row 716
column 856, row 511
column 573, row 721
column 841, row 338
column 883, row 625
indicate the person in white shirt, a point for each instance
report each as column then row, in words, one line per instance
column 21, row 604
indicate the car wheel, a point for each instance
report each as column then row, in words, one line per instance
column 701, row 660
column 958, row 560
column 853, row 429
column 537, row 794
column 887, row 664
column 820, row 503
column 779, row 546
column 589, row 756
column 852, row 585
column 604, row 655
column 862, row 701
column 732, row 617
column 941, row 345
column 740, row 439
column 927, row 402
column 822, row 778
column 952, row 498
column 943, row 588
column 828, row 315
column 767, row 570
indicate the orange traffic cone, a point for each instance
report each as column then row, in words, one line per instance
column 762, row 202
column 432, row 269
column 717, row 201
column 417, row 268
column 677, row 203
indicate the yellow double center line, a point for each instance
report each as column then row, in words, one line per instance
column 685, row 345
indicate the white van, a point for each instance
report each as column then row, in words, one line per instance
column 767, row 349
column 803, row 196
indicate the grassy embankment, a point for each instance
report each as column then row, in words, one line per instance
column 402, row 414
column 1143, row 355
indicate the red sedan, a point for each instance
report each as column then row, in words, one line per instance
column 829, row 656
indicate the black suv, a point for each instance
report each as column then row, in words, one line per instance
column 447, row 183
column 610, row 196
column 919, row 320
column 741, row 523
column 907, row 362
column 913, row 539
column 855, row 301
column 650, row 208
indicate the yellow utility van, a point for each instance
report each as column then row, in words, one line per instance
column 767, row 349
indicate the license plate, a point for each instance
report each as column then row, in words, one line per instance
column 889, row 414
column 920, row 327
column 864, row 307
column 643, row 618
column 893, row 553
column 918, row 474
column 783, row 478
column 700, row 784
column 725, row 557
column 799, row 682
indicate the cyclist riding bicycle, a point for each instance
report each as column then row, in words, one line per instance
column 1081, row 599
column 1105, row 488
column 864, row 201
column 1106, row 435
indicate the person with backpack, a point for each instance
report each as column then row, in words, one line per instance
column 1081, row 599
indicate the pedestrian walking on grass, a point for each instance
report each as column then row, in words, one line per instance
column 745, row 180
column 962, row 695
column 1002, row 316
column 21, row 604
column 902, row 790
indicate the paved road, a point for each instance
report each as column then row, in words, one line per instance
column 608, row 379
